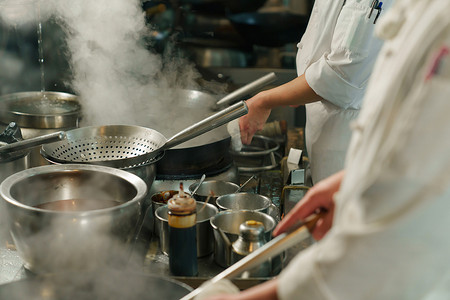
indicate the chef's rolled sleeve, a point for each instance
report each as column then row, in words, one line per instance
column 333, row 87
column 341, row 74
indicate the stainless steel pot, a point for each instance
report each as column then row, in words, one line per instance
column 72, row 217
column 40, row 113
column 217, row 187
column 205, row 237
column 245, row 201
column 228, row 222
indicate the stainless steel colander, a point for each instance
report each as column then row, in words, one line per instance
column 126, row 146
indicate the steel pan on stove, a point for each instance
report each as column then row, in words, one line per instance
column 102, row 284
column 207, row 151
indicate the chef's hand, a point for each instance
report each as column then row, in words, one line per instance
column 257, row 116
column 263, row 291
column 319, row 197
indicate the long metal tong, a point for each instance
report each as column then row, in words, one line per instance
column 277, row 245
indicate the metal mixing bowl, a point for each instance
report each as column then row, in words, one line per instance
column 98, row 231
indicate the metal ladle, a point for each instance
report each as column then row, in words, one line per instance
column 245, row 183
column 199, row 184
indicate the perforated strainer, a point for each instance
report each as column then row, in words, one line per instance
column 126, row 146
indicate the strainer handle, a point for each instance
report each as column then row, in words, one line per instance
column 218, row 119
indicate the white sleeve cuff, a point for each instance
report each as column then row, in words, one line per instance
column 328, row 84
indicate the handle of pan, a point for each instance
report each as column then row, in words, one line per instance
column 218, row 119
column 274, row 247
column 36, row 141
column 247, row 89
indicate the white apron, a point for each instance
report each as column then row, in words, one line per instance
column 390, row 235
column 336, row 54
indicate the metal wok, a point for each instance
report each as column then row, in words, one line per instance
column 205, row 153
column 104, row 284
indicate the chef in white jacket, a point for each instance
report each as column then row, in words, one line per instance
column 390, row 234
column 334, row 61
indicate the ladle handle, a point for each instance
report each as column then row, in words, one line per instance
column 218, row 119
column 272, row 248
column 247, row 89
column 32, row 142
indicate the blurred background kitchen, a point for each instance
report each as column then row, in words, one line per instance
column 229, row 43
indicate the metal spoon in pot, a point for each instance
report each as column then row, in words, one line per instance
column 245, row 183
column 199, row 184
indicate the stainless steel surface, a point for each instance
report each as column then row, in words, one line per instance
column 247, row 89
column 251, row 238
column 269, row 250
column 122, row 146
column 32, row 142
column 229, row 222
column 244, row 201
column 259, row 156
column 216, row 187
column 40, row 110
column 260, row 146
column 205, row 236
column 40, row 113
column 49, row 240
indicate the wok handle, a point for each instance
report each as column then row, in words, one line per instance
column 247, row 89
column 218, row 119
column 274, row 247
column 32, row 142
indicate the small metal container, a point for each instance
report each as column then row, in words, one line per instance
column 245, row 201
column 251, row 238
column 218, row 187
column 228, row 222
column 205, row 236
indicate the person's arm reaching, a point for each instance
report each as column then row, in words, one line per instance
column 293, row 93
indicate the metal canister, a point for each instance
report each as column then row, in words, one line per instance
column 182, row 219
column 251, row 237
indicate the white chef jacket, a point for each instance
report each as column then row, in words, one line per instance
column 390, row 238
column 336, row 53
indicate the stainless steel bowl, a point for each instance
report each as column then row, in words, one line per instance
column 228, row 222
column 72, row 217
column 244, row 201
column 205, row 237
column 218, row 187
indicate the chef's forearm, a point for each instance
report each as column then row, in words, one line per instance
column 293, row 93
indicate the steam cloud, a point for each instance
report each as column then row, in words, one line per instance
column 118, row 79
